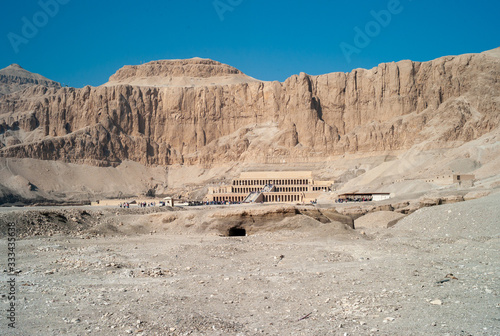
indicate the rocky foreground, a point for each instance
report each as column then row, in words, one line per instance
column 435, row 272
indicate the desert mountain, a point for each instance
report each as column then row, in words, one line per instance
column 139, row 116
column 14, row 78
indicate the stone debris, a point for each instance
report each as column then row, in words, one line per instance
column 201, row 284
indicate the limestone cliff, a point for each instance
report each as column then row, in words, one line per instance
column 204, row 112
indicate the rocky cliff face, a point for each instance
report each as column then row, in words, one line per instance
column 203, row 112
column 14, row 78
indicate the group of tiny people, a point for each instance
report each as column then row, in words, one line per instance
column 145, row 204
column 126, row 205
column 353, row 199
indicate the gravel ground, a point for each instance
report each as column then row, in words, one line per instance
column 317, row 281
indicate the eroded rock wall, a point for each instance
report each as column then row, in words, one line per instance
column 441, row 103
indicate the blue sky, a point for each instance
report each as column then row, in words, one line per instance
column 80, row 42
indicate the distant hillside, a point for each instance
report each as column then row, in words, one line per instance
column 14, row 78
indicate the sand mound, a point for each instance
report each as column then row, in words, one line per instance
column 476, row 219
column 247, row 221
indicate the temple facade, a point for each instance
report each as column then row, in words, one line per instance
column 266, row 186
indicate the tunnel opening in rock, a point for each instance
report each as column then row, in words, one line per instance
column 237, row 232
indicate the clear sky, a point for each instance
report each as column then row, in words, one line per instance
column 83, row 42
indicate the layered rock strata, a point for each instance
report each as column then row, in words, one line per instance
column 179, row 118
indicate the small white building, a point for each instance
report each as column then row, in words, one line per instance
column 380, row 196
column 169, row 201
column 363, row 197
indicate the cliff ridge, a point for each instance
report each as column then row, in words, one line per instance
column 164, row 113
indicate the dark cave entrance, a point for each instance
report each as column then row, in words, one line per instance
column 237, row 232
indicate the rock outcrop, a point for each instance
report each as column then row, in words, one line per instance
column 181, row 73
column 14, row 78
column 377, row 220
column 203, row 112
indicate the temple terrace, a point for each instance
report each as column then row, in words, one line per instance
column 267, row 186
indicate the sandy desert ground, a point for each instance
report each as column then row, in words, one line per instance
column 119, row 273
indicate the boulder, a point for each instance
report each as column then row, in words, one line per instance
column 376, row 220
